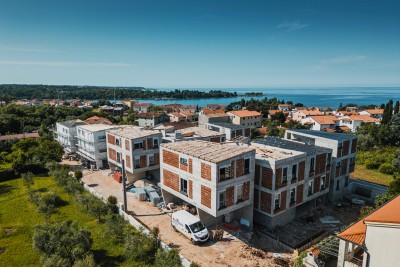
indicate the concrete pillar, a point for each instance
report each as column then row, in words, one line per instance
column 343, row 249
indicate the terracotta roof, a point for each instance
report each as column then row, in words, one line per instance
column 98, row 120
column 374, row 111
column 311, row 112
column 245, row 113
column 344, row 128
column 274, row 111
column 187, row 113
column 142, row 104
column 388, row 213
column 364, row 118
column 330, row 130
column 207, row 111
column 325, row 119
column 284, row 105
column 177, row 114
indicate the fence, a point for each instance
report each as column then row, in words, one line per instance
column 135, row 223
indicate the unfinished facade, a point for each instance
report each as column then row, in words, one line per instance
column 218, row 179
column 138, row 147
column 231, row 130
column 290, row 177
column 344, row 149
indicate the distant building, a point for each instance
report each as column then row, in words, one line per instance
column 142, row 107
column 245, row 118
column 374, row 240
column 284, row 107
column 209, row 116
column 129, row 103
column 138, row 147
column 355, row 121
column 320, row 123
column 344, row 149
column 374, row 113
column 231, row 130
column 98, row 120
column 66, row 134
column 215, row 178
column 115, row 111
column 151, row 119
column 176, row 117
column 299, row 115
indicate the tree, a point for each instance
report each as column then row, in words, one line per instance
column 387, row 112
column 140, row 247
column 65, row 240
column 396, row 107
column 170, row 258
column 279, row 117
column 27, row 179
column 112, row 204
column 97, row 207
column 87, row 261
column 78, row 174
column 116, row 228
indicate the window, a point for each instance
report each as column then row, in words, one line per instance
column 225, row 173
column 222, row 139
column 222, row 200
column 117, row 141
column 310, row 187
column 338, row 164
column 293, row 195
column 118, row 157
column 328, row 160
column 277, row 202
column 137, row 162
column 294, row 172
column 346, row 181
column 239, row 193
column 323, row 182
column 151, row 160
column 284, row 175
column 312, row 164
column 102, row 150
column 155, row 143
column 337, row 185
column 138, row 145
column 340, row 145
column 246, row 166
column 183, row 186
column 183, row 161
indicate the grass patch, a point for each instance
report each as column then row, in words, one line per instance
column 18, row 216
column 374, row 176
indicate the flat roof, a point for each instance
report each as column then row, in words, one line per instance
column 208, row 151
column 291, row 145
column 201, row 132
column 227, row 125
column 332, row 136
column 271, row 152
column 132, row 132
column 98, row 127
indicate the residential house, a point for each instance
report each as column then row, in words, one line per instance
column 115, row 111
column 272, row 112
column 139, row 148
column 374, row 240
column 176, row 117
column 301, row 114
column 66, row 134
column 142, row 107
column 91, row 144
column 192, row 133
column 209, row 116
column 129, row 103
column 189, row 115
column 289, row 176
column 151, row 119
column 344, row 149
column 355, row 121
column 246, row 118
column 215, row 178
column 320, row 123
column 231, row 130
column 98, row 120
column 284, row 107
column 374, row 113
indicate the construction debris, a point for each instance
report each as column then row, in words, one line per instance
column 217, row 235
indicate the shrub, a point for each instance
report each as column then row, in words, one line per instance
column 387, row 168
column 298, row 262
column 372, row 164
column 78, row 174
column 170, row 258
column 140, row 247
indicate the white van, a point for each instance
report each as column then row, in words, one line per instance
column 190, row 226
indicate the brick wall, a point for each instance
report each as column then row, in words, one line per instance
column 346, row 147
column 143, row 161
column 111, row 139
column 239, row 167
column 302, row 169
column 171, row 180
column 205, row 196
column 230, row 196
column 233, row 175
column 343, row 169
column 265, row 204
column 190, row 165
column 246, row 190
column 257, row 175
column 354, row 146
column 278, row 178
column 320, row 164
column 317, row 183
column 266, row 178
column 215, row 139
column 156, row 159
column 171, row 158
column 112, row 154
column 256, row 198
column 299, row 194
column 127, row 145
column 247, row 132
column 206, row 171
column 128, row 161
column 190, row 193
column 149, row 143
column 183, row 167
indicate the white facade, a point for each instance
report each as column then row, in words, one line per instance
column 66, row 134
column 245, row 118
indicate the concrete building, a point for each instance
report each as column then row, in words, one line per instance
column 230, row 130
column 374, row 240
column 66, row 134
column 291, row 178
column 91, row 143
column 344, row 149
column 176, row 117
column 218, row 179
column 138, row 147
column 209, row 116
column 245, row 118
column 355, row 121
column 320, row 123
column 192, row 133
column 151, row 119
column 301, row 114
column 142, row 107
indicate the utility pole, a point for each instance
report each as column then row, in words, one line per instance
column 124, row 184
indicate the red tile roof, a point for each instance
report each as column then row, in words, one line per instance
column 245, row 113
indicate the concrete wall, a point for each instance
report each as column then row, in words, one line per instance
column 374, row 189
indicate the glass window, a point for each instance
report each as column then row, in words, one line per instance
column 224, row 173
column 312, row 164
column 323, row 182
column 284, row 175
column 310, row 187
column 151, row 160
column 183, row 161
column 292, row 195
column 137, row 162
column 118, row 157
column 337, row 185
column 328, row 159
column 246, row 166
column 346, row 180
column 277, row 201
column 138, row 145
column 239, row 193
column 222, row 200
column 184, row 186
column 155, row 143
column 294, row 172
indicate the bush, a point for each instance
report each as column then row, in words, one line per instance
column 140, row 247
column 372, row 164
column 298, row 262
column 170, row 258
column 387, row 168
column 78, row 174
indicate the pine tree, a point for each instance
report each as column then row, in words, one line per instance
column 396, row 107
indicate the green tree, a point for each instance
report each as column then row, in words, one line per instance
column 87, row 261
column 396, row 107
column 27, row 179
column 78, row 174
column 140, row 247
column 98, row 208
column 298, row 262
column 170, row 258
column 116, row 228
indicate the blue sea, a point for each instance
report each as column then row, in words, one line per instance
column 322, row 96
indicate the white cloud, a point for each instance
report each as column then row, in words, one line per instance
column 292, row 26
column 65, row 63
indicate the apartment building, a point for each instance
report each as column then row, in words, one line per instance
column 210, row 116
column 138, row 147
column 229, row 129
column 355, row 121
column 192, row 133
column 301, row 114
column 246, row 118
column 66, row 134
column 151, row 119
column 290, row 178
column 344, row 149
column 91, row 144
column 218, row 179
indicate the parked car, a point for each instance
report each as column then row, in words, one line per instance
column 190, row 226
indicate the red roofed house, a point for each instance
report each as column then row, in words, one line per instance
column 176, row 117
column 142, row 107
column 284, row 107
column 319, row 123
column 374, row 240
column 298, row 115
column 355, row 121
column 374, row 113
column 98, row 120
column 245, row 117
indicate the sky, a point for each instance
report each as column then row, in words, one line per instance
column 200, row 44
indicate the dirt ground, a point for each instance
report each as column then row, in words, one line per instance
column 231, row 251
